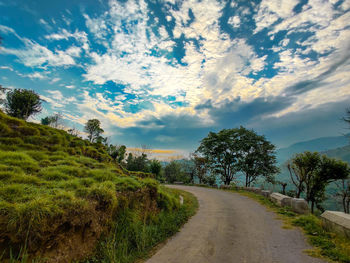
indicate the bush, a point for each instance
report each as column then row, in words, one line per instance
column 104, row 193
column 11, row 141
column 27, row 131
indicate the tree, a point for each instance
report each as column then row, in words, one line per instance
column 172, row 172
column 116, row 152
column 220, row 149
column 73, row 131
column 201, row 167
column 155, row 167
column 329, row 170
column 313, row 173
column 54, row 120
column 93, row 129
column 343, row 192
column 232, row 150
column 257, row 156
column 137, row 163
column 300, row 168
column 2, row 94
column 22, row 103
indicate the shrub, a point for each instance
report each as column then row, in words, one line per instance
column 21, row 160
column 4, row 129
column 105, row 194
column 11, row 141
column 27, row 131
column 102, row 175
column 37, row 140
column 127, row 184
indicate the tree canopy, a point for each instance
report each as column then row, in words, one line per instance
column 93, row 129
column 239, row 150
column 22, row 103
column 312, row 172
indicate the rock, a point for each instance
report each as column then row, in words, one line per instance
column 253, row 189
column 300, row 206
column 280, row 199
column 266, row 193
column 181, row 200
column 338, row 222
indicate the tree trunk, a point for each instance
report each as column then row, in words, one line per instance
column 312, row 206
column 348, row 205
column 284, row 188
column 227, row 181
column 344, row 204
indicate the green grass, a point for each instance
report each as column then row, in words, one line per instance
column 134, row 235
column 53, row 185
column 326, row 244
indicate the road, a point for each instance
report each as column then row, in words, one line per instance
column 229, row 227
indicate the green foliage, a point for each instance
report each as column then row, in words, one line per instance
column 311, row 172
column 132, row 237
column 93, row 129
column 239, row 150
column 332, row 247
column 137, row 163
column 48, row 190
column 22, row 103
column 172, row 172
column 155, row 167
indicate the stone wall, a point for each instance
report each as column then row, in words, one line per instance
column 338, row 222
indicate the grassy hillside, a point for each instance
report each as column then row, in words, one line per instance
column 60, row 194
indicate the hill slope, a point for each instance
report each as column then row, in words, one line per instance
column 317, row 145
column 59, row 193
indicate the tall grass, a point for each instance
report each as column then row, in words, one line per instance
column 53, row 185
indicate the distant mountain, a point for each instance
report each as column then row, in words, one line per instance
column 342, row 153
column 322, row 144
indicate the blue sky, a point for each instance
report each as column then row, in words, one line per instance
column 165, row 73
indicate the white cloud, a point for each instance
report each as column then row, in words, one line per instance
column 36, row 75
column 35, row 55
column 234, row 21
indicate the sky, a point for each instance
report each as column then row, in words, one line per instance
column 165, row 73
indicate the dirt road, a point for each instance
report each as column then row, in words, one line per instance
column 229, row 227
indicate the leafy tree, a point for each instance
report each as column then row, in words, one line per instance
column 209, row 179
column 314, row 173
column 343, row 192
column 22, row 103
column 201, row 167
column 232, row 150
column 93, row 129
column 54, row 121
column 2, row 94
column 188, row 169
column 73, row 131
column 256, row 156
column 329, row 170
column 155, row 167
column 137, row 163
column 220, row 149
column 121, row 153
column 46, row 120
column 172, row 172
column 301, row 167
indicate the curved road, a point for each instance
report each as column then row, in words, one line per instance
column 229, row 227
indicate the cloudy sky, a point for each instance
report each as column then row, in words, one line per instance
column 165, row 73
